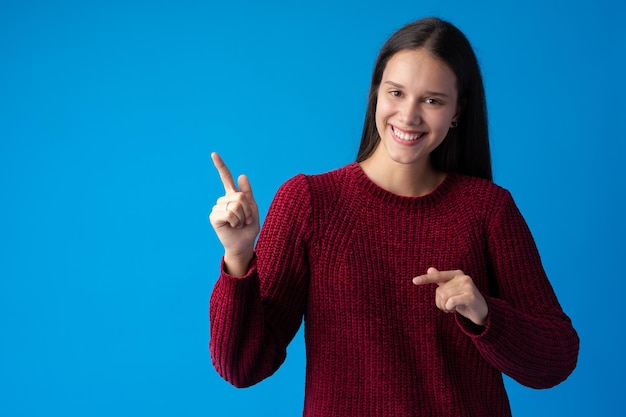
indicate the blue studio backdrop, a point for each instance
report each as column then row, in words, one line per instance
column 109, row 112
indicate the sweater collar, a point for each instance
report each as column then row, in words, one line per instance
column 357, row 175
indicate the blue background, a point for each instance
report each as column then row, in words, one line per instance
column 108, row 114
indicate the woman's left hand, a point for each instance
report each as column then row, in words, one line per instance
column 456, row 292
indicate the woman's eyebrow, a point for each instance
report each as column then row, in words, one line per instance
column 427, row 93
column 436, row 93
column 394, row 84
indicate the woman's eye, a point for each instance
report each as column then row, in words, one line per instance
column 432, row 101
column 395, row 93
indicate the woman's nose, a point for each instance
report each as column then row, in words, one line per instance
column 411, row 114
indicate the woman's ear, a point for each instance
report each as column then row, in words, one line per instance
column 459, row 109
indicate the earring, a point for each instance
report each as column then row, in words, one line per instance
column 454, row 124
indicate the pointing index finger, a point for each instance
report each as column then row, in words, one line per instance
column 225, row 175
column 434, row 276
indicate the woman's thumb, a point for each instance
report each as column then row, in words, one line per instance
column 245, row 187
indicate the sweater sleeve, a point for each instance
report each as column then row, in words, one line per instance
column 253, row 318
column 527, row 336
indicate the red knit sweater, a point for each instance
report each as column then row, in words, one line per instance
column 340, row 251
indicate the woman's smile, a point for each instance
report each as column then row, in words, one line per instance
column 406, row 136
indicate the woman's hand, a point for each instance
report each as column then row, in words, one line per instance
column 456, row 292
column 235, row 219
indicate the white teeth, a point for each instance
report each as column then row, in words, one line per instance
column 406, row 136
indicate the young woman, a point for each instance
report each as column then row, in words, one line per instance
column 417, row 277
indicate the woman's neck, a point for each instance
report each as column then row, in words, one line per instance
column 409, row 180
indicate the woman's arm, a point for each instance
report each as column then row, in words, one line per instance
column 253, row 318
column 527, row 335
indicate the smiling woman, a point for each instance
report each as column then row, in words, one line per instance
column 417, row 104
column 418, row 277
column 110, row 111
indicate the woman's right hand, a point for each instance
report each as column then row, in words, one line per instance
column 235, row 219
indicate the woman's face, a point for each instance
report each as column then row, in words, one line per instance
column 417, row 102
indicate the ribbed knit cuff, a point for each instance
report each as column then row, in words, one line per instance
column 251, row 270
column 492, row 330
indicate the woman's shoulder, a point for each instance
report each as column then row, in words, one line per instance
column 479, row 192
column 319, row 183
column 478, row 185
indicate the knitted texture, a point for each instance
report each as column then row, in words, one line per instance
column 341, row 252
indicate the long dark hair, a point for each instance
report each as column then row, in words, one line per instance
column 465, row 149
